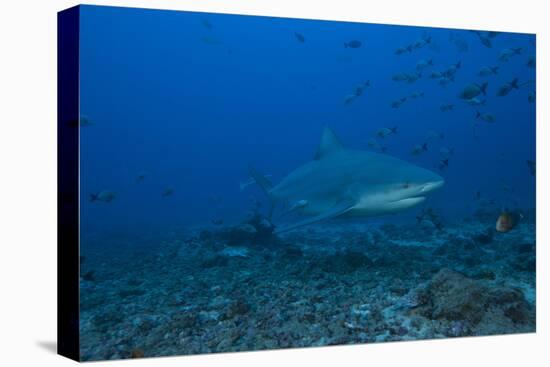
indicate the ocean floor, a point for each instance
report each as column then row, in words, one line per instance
column 240, row 288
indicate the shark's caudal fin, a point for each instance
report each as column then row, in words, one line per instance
column 329, row 144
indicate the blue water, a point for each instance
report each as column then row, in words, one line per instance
column 194, row 99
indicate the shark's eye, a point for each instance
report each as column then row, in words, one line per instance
column 406, row 185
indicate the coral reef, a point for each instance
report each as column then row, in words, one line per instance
column 240, row 287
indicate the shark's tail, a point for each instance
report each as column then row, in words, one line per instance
column 264, row 184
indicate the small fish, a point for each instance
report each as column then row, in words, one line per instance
column 477, row 195
column 485, row 40
column 507, row 221
column 419, row 149
column 507, row 53
column 349, row 98
column 141, row 176
column 397, row 103
column 361, row 87
column 487, row 117
column 168, row 192
column 206, row 24
column 402, row 50
column 424, row 63
column 459, row 42
column 374, row 144
column 400, row 77
column 411, row 78
column 488, row 70
column 531, row 62
column 358, row 91
column 436, row 75
column 476, row 101
column 417, row 94
column 104, row 196
column 434, row 135
column 531, row 97
column 532, row 167
column 443, row 163
column 446, row 152
column 506, row 88
column 421, row 42
column 446, row 107
column 217, row 221
column 352, row 44
column 451, row 70
column 473, row 90
column 300, row 37
column 385, row 131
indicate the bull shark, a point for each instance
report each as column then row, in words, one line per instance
column 342, row 183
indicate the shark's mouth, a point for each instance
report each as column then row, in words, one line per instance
column 410, row 201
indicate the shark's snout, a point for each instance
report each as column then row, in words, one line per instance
column 432, row 186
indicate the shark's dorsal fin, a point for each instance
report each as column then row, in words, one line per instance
column 330, row 144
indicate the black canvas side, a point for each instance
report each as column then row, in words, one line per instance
column 67, row 183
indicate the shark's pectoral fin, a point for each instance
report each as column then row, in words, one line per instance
column 335, row 211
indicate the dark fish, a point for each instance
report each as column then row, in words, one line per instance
column 397, row 103
column 507, row 88
column 531, row 62
column 168, row 192
column 485, row 41
column 451, row 71
column 487, row 117
column 473, row 90
column 349, row 98
column 104, row 196
column 422, row 42
column 402, row 50
column 507, row 53
column 300, row 37
column 477, row 195
column 508, row 221
column 206, row 24
column 444, row 163
column 352, row 44
column 217, row 221
column 416, row 94
column 411, row 78
column 446, row 107
column 141, row 176
column 532, row 167
column 386, row 131
column 488, row 70
column 419, row 149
